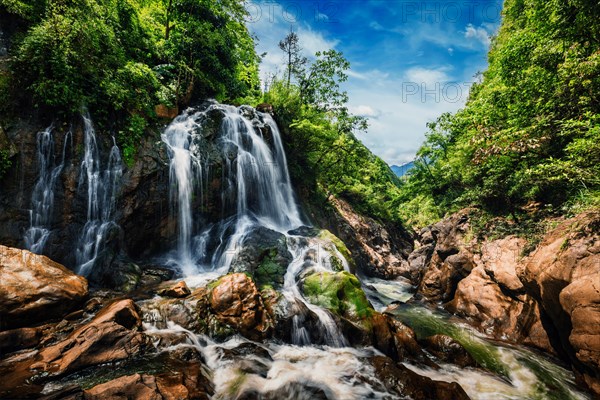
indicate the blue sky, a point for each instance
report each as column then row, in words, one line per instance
column 411, row 60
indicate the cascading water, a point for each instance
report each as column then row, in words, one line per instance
column 257, row 196
column 184, row 172
column 42, row 197
column 255, row 173
column 102, row 186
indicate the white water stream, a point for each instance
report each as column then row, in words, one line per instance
column 42, row 196
column 101, row 185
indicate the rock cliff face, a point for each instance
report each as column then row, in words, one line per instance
column 379, row 249
column 142, row 210
column 142, row 206
column 549, row 300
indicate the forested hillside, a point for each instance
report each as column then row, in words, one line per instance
column 122, row 58
column 529, row 136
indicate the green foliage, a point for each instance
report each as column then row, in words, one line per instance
column 121, row 58
column 530, row 132
column 130, row 138
column 324, row 154
column 5, row 162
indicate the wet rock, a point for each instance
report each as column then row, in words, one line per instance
column 493, row 298
column 35, row 288
column 306, row 231
column 292, row 390
column 402, row 381
column 264, row 255
column 563, row 275
column 338, row 292
column 111, row 335
column 135, row 387
column 379, row 249
column 236, row 302
column 178, row 290
column 17, row 339
column 446, row 349
column 249, row 358
column 176, row 385
column 288, row 313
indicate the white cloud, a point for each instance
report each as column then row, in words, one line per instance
column 312, row 41
column 427, row 76
column 478, row 33
column 376, row 26
column 365, row 111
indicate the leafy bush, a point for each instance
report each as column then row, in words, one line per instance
column 530, row 131
column 121, row 58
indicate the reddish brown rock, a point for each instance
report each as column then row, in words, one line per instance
column 35, row 288
column 564, row 276
column 445, row 258
column 494, row 299
column 111, row 335
column 132, row 387
column 179, row 290
column 17, row 339
column 236, row 302
column 184, row 381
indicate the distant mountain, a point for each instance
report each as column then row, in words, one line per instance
column 401, row 170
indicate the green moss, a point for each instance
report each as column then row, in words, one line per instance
column 340, row 246
column 425, row 324
column 339, row 292
column 5, row 162
column 269, row 272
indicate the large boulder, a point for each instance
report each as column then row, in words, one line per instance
column 493, row 298
column 236, row 302
column 112, row 335
column 35, row 288
column 341, row 294
column 444, row 258
column 563, row 274
column 264, row 255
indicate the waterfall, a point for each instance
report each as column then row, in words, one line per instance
column 102, row 186
column 42, row 196
column 253, row 171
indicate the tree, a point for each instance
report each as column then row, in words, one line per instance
column 320, row 84
column 295, row 61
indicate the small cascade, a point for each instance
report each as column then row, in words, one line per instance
column 184, row 172
column 102, row 186
column 254, row 172
column 42, row 197
column 311, row 256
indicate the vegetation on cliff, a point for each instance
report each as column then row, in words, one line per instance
column 529, row 134
column 122, row 58
column 325, row 157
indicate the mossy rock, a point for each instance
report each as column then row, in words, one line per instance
column 341, row 247
column 270, row 272
column 339, row 292
column 264, row 256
